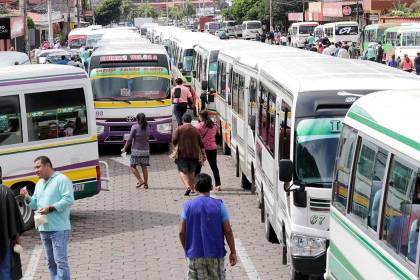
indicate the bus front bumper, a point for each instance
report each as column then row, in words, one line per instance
column 112, row 132
column 310, row 265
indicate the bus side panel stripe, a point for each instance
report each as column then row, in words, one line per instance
column 36, row 81
column 341, row 265
column 371, row 248
column 370, row 123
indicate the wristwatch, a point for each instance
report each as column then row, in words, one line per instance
column 51, row 209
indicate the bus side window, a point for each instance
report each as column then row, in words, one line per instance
column 223, row 80
column 368, row 182
column 252, row 104
column 402, row 209
column 241, row 96
column 235, row 92
column 10, row 120
column 284, row 136
column 56, row 114
column 343, row 167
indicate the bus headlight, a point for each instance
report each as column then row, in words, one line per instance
column 100, row 129
column 307, row 246
column 164, row 128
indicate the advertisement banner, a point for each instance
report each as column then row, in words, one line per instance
column 17, row 26
column 351, row 10
column 4, row 28
column 332, row 10
column 295, row 16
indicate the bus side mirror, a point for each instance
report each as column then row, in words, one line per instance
column 285, row 170
column 194, row 73
column 204, row 85
column 180, row 65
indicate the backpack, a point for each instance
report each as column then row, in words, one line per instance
column 177, row 92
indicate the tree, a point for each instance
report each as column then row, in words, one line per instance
column 108, row 11
column 144, row 10
column 30, row 22
column 400, row 9
column 176, row 13
column 127, row 7
column 189, row 10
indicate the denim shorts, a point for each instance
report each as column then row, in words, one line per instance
column 187, row 165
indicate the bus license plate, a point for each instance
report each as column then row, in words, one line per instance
column 126, row 136
column 79, row 187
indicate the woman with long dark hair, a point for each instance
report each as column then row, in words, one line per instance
column 140, row 149
column 208, row 130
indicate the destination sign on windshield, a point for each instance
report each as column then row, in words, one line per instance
column 131, row 57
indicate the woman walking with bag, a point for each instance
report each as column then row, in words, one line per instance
column 140, row 150
column 208, row 130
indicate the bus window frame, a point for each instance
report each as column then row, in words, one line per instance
column 376, row 237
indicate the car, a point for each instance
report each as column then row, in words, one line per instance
column 13, row 58
column 55, row 57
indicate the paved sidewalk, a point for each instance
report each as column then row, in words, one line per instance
column 128, row 233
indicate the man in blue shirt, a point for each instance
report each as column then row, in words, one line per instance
column 392, row 62
column 205, row 224
column 53, row 197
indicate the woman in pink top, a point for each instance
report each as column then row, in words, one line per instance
column 208, row 130
column 406, row 64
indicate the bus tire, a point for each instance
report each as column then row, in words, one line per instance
column 246, row 184
column 270, row 234
column 238, row 168
column 262, row 205
column 26, row 212
column 296, row 275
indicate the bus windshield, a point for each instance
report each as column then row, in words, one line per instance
column 316, row 145
column 253, row 25
column 305, row 29
column 214, row 26
column 188, row 60
column 130, row 83
column 77, row 43
column 213, row 69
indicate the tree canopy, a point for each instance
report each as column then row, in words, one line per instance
column 108, row 11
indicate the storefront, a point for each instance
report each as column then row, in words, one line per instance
column 12, row 31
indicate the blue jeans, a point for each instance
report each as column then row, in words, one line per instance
column 55, row 246
column 6, row 265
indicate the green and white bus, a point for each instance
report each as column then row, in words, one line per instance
column 375, row 209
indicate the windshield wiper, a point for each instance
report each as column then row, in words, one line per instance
column 112, row 98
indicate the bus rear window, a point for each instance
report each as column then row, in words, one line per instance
column 56, row 114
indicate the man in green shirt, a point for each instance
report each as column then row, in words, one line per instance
column 53, row 197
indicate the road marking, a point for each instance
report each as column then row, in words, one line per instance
column 246, row 261
column 33, row 263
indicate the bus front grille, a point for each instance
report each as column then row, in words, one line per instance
column 317, row 204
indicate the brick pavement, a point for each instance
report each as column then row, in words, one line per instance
column 127, row 233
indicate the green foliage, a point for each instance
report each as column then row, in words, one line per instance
column 144, row 10
column 30, row 23
column 108, row 11
column 189, row 10
column 3, row 10
column 176, row 13
column 127, row 7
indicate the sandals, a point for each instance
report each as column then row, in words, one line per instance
column 217, row 189
column 145, row 186
column 139, row 184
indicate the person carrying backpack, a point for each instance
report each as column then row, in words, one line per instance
column 181, row 97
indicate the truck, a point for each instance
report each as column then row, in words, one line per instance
column 202, row 22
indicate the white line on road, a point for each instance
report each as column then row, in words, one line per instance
column 33, row 263
column 246, row 261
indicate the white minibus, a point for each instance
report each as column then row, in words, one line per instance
column 251, row 28
column 301, row 104
column 342, row 31
column 300, row 31
column 211, row 27
column 51, row 115
column 375, row 211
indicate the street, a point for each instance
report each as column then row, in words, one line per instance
column 129, row 233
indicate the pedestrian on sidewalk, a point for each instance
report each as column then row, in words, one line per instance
column 406, row 64
column 53, row 197
column 208, row 130
column 140, row 150
column 181, row 97
column 189, row 145
column 417, row 63
column 204, row 226
column 11, row 226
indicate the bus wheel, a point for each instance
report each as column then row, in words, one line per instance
column 262, row 205
column 25, row 211
column 270, row 234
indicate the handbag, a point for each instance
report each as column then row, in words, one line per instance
column 174, row 154
column 202, row 157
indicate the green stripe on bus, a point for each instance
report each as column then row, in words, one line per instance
column 388, row 263
column 370, row 123
column 341, row 265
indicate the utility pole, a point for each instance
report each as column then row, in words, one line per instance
column 271, row 15
column 303, row 10
column 78, row 13
column 50, row 25
column 23, row 12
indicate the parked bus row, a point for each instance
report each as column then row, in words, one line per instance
column 281, row 112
